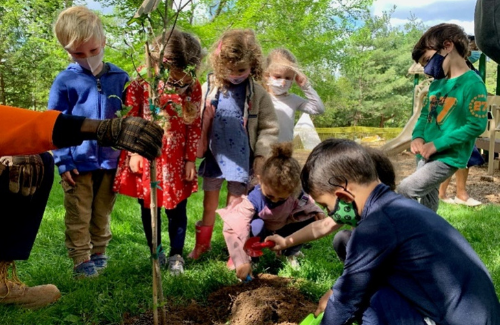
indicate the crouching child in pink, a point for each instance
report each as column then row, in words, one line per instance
column 277, row 205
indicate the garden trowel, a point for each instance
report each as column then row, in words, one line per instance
column 253, row 247
column 311, row 320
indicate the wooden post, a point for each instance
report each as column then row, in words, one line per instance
column 157, row 283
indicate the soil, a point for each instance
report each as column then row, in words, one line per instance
column 270, row 299
column 266, row 300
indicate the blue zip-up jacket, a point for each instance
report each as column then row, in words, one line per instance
column 77, row 91
column 405, row 246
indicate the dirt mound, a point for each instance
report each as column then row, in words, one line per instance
column 268, row 299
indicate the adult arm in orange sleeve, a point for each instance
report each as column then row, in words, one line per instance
column 25, row 132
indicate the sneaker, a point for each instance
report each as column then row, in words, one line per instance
column 469, row 202
column 85, row 270
column 448, row 200
column 100, row 261
column 13, row 291
column 293, row 260
column 176, row 264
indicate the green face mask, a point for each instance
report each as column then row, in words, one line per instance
column 345, row 213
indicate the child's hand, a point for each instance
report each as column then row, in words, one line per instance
column 189, row 171
column 416, row 145
column 428, row 150
column 280, row 242
column 301, row 79
column 243, row 270
column 66, row 176
column 136, row 164
column 322, row 303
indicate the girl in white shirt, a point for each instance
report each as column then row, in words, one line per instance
column 280, row 72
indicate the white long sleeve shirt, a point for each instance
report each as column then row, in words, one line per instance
column 286, row 105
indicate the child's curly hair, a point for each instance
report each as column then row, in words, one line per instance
column 234, row 47
column 182, row 52
column 281, row 170
column 280, row 58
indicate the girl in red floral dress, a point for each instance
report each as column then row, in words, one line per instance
column 179, row 103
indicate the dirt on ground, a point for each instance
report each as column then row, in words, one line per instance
column 266, row 300
column 270, row 299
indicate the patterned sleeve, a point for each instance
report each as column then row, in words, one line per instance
column 194, row 129
column 135, row 99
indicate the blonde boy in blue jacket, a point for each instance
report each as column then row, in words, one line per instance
column 91, row 88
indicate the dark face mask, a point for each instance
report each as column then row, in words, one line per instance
column 434, row 67
column 345, row 213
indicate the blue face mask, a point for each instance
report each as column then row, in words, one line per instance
column 474, row 56
column 434, row 67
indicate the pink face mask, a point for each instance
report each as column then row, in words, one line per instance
column 236, row 80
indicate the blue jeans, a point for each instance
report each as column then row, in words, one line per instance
column 177, row 223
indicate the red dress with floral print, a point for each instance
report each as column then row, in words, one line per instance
column 179, row 145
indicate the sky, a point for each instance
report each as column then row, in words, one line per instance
column 431, row 12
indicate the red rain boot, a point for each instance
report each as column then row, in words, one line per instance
column 203, row 238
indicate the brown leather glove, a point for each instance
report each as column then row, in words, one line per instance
column 133, row 134
column 25, row 173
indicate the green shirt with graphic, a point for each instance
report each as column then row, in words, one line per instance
column 453, row 116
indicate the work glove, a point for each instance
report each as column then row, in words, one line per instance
column 25, row 173
column 133, row 134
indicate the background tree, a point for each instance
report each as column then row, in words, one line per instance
column 377, row 58
column 29, row 55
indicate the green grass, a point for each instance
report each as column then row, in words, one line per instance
column 125, row 286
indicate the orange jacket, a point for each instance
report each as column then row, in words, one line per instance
column 24, row 132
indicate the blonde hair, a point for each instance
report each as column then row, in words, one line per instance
column 280, row 58
column 181, row 51
column 281, row 170
column 77, row 25
column 236, row 46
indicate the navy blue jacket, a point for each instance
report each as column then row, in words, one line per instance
column 77, row 91
column 405, row 246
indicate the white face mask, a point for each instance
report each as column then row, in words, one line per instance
column 279, row 86
column 91, row 63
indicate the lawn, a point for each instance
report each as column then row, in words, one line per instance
column 125, row 286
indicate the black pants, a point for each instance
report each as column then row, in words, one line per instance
column 20, row 216
column 340, row 243
column 177, row 224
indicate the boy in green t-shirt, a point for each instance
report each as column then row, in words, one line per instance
column 454, row 113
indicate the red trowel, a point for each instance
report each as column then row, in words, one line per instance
column 253, row 247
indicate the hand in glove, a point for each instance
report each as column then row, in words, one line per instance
column 133, row 134
column 25, row 173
